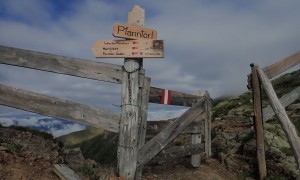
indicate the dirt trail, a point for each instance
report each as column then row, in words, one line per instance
column 209, row 170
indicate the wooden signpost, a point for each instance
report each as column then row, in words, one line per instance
column 133, row 32
column 129, row 49
column 140, row 42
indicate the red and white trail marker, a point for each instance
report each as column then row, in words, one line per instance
column 165, row 96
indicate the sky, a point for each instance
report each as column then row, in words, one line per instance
column 209, row 44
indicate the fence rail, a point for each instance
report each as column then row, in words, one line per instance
column 62, row 109
column 282, row 65
column 277, row 106
column 164, row 131
column 82, row 68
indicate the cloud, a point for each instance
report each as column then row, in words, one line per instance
column 7, row 122
column 50, row 125
column 209, row 45
column 66, row 129
column 165, row 114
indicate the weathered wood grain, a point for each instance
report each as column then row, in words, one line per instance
column 285, row 100
column 129, row 125
column 177, row 98
column 145, row 90
column 282, row 65
column 196, row 158
column 61, row 64
column 130, row 113
column 64, row 172
column 62, row 109
column 155, row 127
column 287, row 125
column 207, row 124
column 257, row 106
column 80, row 68
column 196, row 138
column 175, row 152
column 156, row 144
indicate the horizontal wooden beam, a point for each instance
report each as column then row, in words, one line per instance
column 285, row 100
column 282, row 65
column 61, row 64
column 179, row 151
column 82, row 68
column 154, row 127
column 62, row 109
column 156, row 144
column 177, row 98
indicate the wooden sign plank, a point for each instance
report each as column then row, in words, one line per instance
column 133, row 32
column 129, row 49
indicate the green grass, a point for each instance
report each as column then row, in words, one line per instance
column 13, row 148
column 94, row 143
column 84, row 169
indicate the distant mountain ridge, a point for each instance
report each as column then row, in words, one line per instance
column 51, row 125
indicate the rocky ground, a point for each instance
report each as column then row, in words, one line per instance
column 27, row 154
column 234, row 146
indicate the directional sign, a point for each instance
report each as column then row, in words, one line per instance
column 129, row 48
column 133, row 32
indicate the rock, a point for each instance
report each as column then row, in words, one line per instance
column 3, row 148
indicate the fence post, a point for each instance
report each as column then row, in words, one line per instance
column 145, row 91
column 288, row 127
column 130, row 114
column 257, row 103
column 207, row 126
column 196, row 138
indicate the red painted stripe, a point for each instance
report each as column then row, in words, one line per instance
column 165, row 96
column 162, row 97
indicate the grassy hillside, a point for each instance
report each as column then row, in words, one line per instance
column 94, row 143
column 242, row 105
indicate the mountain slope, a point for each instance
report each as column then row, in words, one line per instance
column 232, row 131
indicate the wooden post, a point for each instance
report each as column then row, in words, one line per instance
column 207, row 124
column 288, row 127
column 145, row 91
column 258, row 123
column 130, row 114
column 196, row 138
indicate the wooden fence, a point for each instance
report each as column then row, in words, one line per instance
column 277, row 107
column 72, row 111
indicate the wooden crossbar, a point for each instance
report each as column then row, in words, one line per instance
column 58, row 108
column 82, row 68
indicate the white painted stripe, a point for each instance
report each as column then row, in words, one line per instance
column 166, row 96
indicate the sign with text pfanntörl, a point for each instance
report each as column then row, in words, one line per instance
column 129, row 48
column 133, row 32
